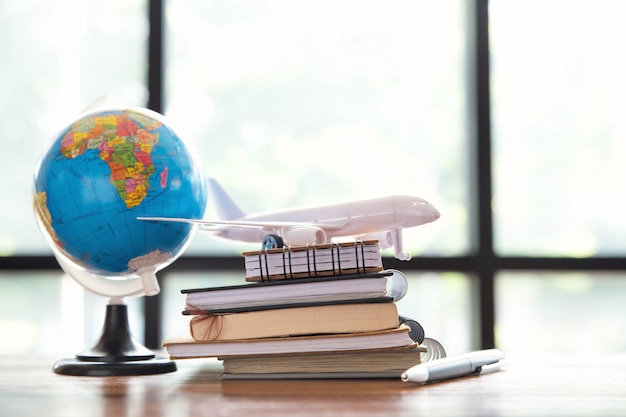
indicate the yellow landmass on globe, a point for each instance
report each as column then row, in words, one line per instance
column 125, row 142
column 43, row 214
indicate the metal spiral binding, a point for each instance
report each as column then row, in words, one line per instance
column 434, row 350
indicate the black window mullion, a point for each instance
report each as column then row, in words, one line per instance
column 153, row 309
column 479, row 129
column 156, row 55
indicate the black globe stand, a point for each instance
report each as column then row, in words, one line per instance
column 116, row 353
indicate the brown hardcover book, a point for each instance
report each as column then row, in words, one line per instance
column 338, row 318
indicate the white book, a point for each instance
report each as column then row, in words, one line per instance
column 186, row 347
column 288, row 293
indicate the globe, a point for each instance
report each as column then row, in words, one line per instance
column 97, row 178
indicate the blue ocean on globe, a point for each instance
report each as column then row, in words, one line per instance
column 103, row 172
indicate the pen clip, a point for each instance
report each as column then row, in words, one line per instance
column 491, row 367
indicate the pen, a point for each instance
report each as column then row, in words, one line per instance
column 481, row 361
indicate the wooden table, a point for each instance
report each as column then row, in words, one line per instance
column 554, row 386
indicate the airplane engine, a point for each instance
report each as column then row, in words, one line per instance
column 303, row 235
column 385, row 238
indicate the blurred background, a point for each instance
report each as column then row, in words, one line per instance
column 507, row 115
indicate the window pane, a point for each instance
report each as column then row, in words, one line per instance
column 445, row 313
column 51, row 313
column 560, row 312
column 558, row 99
column 57, row 57
column 302, row 103
column 442, row 304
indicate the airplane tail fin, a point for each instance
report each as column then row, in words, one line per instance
column 225, row 206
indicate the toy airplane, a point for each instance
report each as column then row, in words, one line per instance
column 382, row 219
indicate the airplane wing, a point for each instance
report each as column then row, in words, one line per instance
column 216, row 224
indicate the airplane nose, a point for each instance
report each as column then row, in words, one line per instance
column 425, row 211
column 433, row 212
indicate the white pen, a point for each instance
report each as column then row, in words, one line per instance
column 481, row 361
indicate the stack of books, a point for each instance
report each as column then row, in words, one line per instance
column 305, row 312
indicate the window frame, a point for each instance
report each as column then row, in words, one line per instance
column 482, row 263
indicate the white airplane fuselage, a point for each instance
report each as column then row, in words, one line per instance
column 381, row 218
column 359, row 216
column 320, row 224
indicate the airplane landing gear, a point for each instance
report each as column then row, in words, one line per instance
column 272, row 242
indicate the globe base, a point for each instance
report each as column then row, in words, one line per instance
column 78, row 367
column 116, row 353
